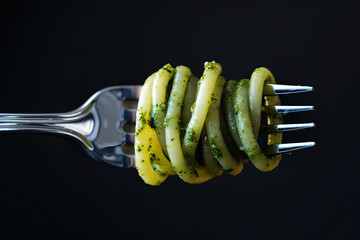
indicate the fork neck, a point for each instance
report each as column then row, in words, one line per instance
column 77, row 124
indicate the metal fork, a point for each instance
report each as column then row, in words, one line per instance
column 105, row 123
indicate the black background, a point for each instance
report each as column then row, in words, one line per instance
column 53, row 56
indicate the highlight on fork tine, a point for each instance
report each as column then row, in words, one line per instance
column 285, row 109
column 285, row 127
column 286, row 147
column 277, row 89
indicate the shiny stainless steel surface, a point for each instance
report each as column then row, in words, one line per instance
column 285, row 127
column 286, row 147
column 105, row 124
column 277, row 89
column 100, row 124
column 273, row 110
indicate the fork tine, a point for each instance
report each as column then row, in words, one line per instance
column 285, row 147
column 129, row 92
column 285, row 127
column 129, row 138
column 128, row 115
column 276, row 89
column 273, row 110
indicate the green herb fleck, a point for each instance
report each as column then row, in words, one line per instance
column 191, row 135
column 163, row 107
column 214, row 149
column 227, row 169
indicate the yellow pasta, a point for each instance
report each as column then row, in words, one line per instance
column 170, row 134
column 152, row 165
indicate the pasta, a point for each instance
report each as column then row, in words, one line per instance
column 199, row 128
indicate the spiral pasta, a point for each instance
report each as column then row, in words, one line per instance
column 177, row 112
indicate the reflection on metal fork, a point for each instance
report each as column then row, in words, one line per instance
column 98, row 124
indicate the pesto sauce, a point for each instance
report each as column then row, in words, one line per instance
column 214, row 149
column 191, row 136
column 244, row 82
column 228, row 170
column 142, row 122
column 167, row 68
column 166, row 121
column 163, row 107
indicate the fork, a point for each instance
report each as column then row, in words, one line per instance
column 105, row 123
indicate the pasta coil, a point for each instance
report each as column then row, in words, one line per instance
column 172, row 121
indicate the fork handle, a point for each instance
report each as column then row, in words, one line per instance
column 77, row 124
